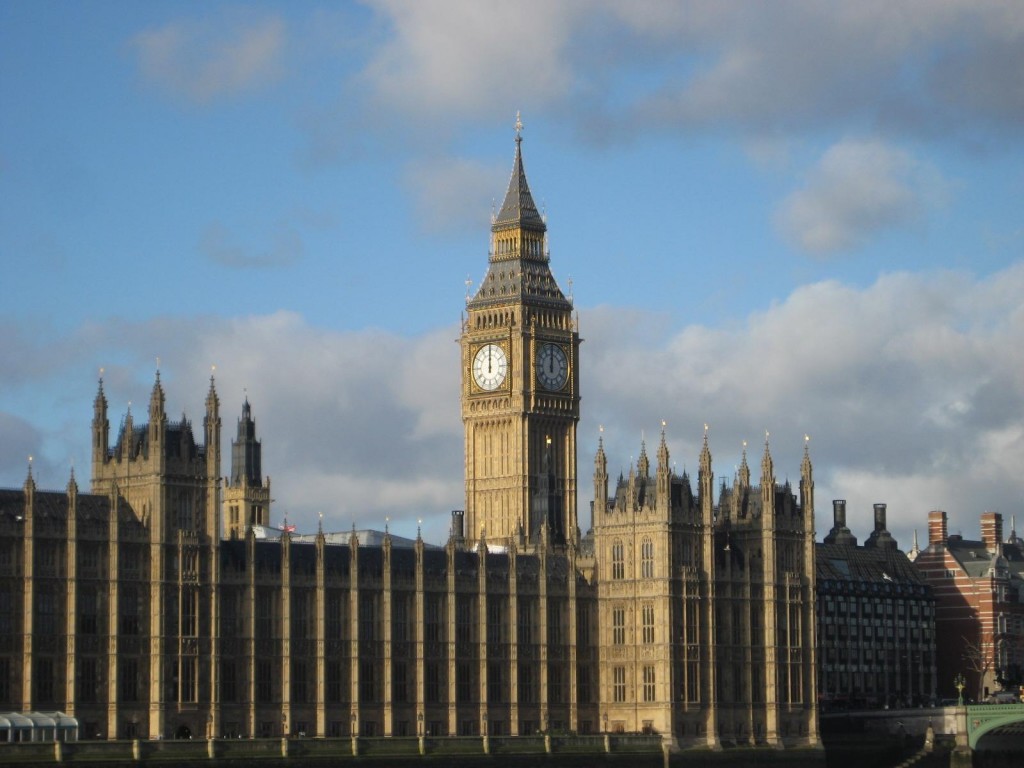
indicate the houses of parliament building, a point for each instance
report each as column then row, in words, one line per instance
column 149, row 607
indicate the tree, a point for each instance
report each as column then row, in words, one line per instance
column 978, row 661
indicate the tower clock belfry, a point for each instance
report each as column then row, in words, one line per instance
column 520, row 384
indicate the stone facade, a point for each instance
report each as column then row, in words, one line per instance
column 150, row 607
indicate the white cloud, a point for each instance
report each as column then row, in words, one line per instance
column 857, row 190
column 618, row 68
column 209, row 59
column 447, row 58
column 910, row 389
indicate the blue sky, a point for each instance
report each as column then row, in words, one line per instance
column 799, row 218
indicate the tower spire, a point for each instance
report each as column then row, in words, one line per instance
column 767, row 466
column 518, row 207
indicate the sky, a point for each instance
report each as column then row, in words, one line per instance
column 784, row 219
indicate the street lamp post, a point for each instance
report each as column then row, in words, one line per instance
column 958, row 683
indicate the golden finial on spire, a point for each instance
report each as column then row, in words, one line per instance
column 469, row 284
column 519, row 127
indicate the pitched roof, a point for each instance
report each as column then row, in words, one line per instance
column 518, row 209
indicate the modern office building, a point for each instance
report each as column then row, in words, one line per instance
column 876, row 621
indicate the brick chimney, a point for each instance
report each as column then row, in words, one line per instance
column 937, row 528
column 992, row 530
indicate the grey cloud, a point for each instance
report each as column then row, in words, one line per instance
column 20, row 440
column 616, row 69
column 858, row 189
column 447, row 193
column 203, row 60
column 218, row 245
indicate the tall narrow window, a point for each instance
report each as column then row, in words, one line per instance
column 618, row 560
column 619, row 684
column 649, row 689
column 464, row 619
column 648, row 617
column 433, row 610
column 647, row 559
column 618, row 626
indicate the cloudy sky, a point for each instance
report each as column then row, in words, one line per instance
column 800, row 218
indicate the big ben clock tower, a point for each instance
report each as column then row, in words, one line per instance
column 520, row 383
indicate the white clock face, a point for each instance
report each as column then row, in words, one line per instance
column 490, row 365
column 552, row 367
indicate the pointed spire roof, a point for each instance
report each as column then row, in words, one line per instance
column 518, row 209
column 100, row 402
column 156, row 398
column 767, row 466
column 518, row 270
column 663, row 450
column 744, row 471
column 705, row 453
column 212, row 401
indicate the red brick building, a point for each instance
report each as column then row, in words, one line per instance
column 979, row 605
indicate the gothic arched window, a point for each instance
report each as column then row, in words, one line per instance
column 647, row 559
column 618, row 560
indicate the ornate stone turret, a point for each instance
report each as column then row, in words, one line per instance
column 157, row 415
column 246, row 493
column 100, row 428
column 743, row 475
column 643, row 464
column 663, row 489
column 767, row 486
column 600, row 482
column 211, row 436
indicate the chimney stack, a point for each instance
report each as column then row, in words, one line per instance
column 839, row 513
column 458, row 524
column 840, row 534
column 992, row 530
column 880, row 537
column 937, row 529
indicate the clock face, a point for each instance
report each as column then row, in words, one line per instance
column 552, row 367
column 490, row 365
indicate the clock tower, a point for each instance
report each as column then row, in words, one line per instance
column 520, row 384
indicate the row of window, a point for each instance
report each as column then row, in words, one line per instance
column 618, row 559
